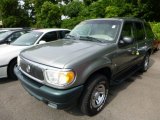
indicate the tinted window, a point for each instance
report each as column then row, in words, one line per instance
column 149, row 32
column 49, row 36
column 62, row 33
column 127, row 30
column 139, row 31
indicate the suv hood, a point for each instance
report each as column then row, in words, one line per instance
column 58, row 53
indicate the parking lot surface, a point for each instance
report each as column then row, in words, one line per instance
column 138, row 98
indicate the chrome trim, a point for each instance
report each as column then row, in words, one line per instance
column 40, row 81
column 44, row 68
column 35, row 64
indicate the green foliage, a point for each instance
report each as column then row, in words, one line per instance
column 70, row 23
column 113, row 11
column 10, row 21
column 94, row 10
column 88, row 2
column 156, row 28
column 73, row 9
column 49, row 16
column 118, row 3
column 47, row 13
column 97, row 9
column 12, row 14
column 30, row 10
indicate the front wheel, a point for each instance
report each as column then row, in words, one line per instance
column 95, row 95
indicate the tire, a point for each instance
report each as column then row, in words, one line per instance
column 145, row 63
column 11, row 73
column 95, row 95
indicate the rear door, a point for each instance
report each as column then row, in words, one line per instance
column 140, row 39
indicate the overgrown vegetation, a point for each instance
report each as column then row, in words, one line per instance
column 156, row 28
column 48, row 13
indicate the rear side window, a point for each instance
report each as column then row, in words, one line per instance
column 149, row 31
column 139, row 31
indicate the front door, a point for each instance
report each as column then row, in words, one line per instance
column 126, row 53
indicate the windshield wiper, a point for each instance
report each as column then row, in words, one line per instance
column 89, row 38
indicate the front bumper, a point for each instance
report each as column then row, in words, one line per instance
column 3, row 71
column 55, row 98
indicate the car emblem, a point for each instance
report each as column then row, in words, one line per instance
column 28, row 69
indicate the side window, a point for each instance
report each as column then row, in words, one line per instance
column 62, row 33
column 149, row 31
column 139, row 31
column 127, row 30
column 14, row 36
column 66, row 32
column 51, row 36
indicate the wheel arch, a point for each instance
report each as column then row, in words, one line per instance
column 104, row 71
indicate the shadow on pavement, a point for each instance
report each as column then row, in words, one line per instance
column 75, row 111
column 6, row 80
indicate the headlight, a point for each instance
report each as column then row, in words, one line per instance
column 59, row 78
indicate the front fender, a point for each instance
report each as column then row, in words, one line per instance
column 84, row 71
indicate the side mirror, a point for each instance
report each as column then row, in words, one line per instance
column 42, row 42
column 126, row 41
column 8, row 41
column 66, row 35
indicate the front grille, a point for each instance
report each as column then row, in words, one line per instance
column 31, row 69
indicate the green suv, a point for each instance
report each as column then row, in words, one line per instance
column 79, row 69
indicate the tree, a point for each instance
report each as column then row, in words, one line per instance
column 88, row 2
column 70, row 23
column 49, row 16
column 153, row 8
column 28, row 6
column 12, row 14
column 97, row 9
column 73, row 9
column 113, row 11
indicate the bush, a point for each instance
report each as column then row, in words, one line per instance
column 156, row 29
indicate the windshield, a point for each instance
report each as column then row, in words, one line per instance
column 27, row 39
column 5, row 34
column 104, row 30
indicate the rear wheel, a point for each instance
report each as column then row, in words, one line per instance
column 11, row 67
column 95, row 95
column 145, row 63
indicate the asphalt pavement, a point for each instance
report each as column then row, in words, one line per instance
column 138, row 98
